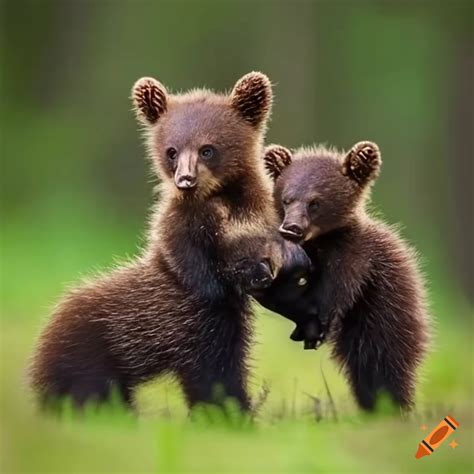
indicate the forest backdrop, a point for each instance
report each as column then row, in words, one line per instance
column 75, row 185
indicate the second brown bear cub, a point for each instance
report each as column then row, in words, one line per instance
column 366, row 291
column 181, row 307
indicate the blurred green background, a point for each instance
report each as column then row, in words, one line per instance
column 76, row 192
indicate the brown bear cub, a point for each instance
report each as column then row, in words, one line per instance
column 182, row 306
column 365, row 291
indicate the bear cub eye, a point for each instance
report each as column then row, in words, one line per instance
column 302, row 281
column 206, row 152
column 314, row 205
column 171, row 153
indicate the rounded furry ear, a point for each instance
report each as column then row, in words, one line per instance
column 149, row 99
column 276, row 159
column 362, row 163
column 252, row 98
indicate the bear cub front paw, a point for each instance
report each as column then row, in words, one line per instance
column 311, row 332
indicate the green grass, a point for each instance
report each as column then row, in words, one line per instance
column 288, row 434
column 284, row 437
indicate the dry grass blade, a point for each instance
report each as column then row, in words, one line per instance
column 332, row 405
column 317, row 407
column 261, row 399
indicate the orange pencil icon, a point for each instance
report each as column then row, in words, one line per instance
column 436, row 437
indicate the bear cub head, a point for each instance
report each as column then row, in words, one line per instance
column 318, row 190
column 201, row 141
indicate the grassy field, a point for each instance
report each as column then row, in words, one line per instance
column 75, row 189
column 296, row 429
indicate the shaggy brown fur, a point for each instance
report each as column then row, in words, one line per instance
column 180, row 307
column 366, row 289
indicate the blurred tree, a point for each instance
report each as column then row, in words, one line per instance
column 399, row 73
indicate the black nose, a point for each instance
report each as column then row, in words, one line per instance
column 291, row 230
column 186, row 182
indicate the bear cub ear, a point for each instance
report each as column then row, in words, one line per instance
column 276, row 159
column 252, row 98
column 149, row 99
column 363, row 162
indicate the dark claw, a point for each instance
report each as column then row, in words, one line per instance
column 297, row 334
column 310, row 344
